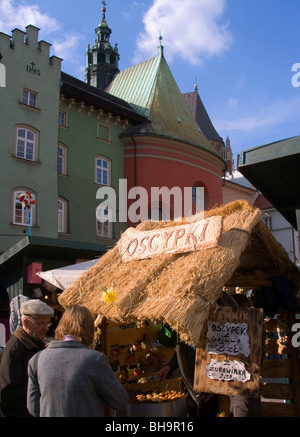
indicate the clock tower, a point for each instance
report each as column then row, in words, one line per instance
column 102, row 59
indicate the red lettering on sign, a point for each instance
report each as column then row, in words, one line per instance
column 150, row 242
column 202, row 236
column 135, row 241
column 142, row 247
column 167, row 236
column 179, row 233
column 190, row 236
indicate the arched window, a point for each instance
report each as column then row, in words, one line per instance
column 62, row 210
column 200, row 197
column 20, row 212
column 26, row 143
column 62, row 156
column 267, row 218
column 101, row 58
column 104, row 222
column 62, row 118
column 102, row 171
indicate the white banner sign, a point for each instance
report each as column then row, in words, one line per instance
column 228, row 339
column 227, row 370
column 186, row 238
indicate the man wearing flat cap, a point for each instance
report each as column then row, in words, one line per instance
column 25, row 342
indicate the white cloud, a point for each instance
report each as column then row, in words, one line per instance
column 65, row 48
column 190, row 29
column 270, row 116
column 14, row 15
column 233, row 102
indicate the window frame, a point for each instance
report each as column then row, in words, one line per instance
column 196, row 197
column 28, row 99
column 267, row 219
column 64, row 159
column 15, row 202
column 27, row 141
column 108, row 170
column 65, row 118
column 62, row 223
column 104, row 229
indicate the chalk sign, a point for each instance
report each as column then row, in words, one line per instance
column 230, row 338
column 227, row 370
column 228, row 359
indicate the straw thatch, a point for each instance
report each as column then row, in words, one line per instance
column 180, row 289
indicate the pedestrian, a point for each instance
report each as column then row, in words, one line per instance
column 69, row 378
column 25, row 342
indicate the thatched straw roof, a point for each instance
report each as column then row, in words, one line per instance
column 180, row 289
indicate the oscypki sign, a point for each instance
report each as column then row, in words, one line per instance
column 197, row 235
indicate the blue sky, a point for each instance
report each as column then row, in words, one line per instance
column 240, row 52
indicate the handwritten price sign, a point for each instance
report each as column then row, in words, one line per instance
column 230, row 338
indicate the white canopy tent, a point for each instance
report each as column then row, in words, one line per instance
column 65, row 276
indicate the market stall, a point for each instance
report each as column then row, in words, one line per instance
column 174, row 272
column 64, row 277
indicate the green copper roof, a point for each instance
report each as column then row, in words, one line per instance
column 136, row 85
column 152, row 90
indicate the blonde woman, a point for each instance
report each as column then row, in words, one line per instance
column 69, row 379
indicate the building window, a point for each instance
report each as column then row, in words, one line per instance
column 102, row 171
column 200, row 197
column 62, row 215
column 29, row 98
column 26, row 143
column 62, row 118
column 268, row 221
column 104, row 222
column 20, row 212
column 104, row 132
column 62, row 159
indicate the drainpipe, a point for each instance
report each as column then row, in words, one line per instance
column 135, row 162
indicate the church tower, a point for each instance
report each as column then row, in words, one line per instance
column 102, row 59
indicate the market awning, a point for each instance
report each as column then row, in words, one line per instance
column 53, row 249
column 65, row 276
column 274, row 169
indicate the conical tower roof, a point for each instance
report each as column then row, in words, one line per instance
column 152, row 90
column 200, row 114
